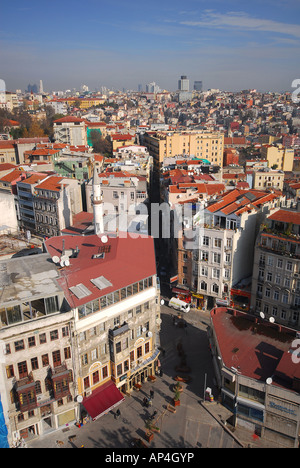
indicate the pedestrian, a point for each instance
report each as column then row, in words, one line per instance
column 118, row 414
column 151, row 394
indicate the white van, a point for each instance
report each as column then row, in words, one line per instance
column 177, row 304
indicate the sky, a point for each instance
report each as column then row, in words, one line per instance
column 229, row 45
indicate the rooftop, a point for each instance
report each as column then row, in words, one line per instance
column 26, row 278
column 255, row 348
column 122, row 261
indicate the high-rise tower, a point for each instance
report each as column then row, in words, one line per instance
column 183, row 83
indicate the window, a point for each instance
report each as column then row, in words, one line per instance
column 218, row 243
column 119, row 369
column 216, row 273
column 279, row 263
column 54, row 335
column 204, row 256
column 84, row 359
column 104, row 372
column 289, row 266
column 86, row 382
column 269, row 276
column 31, row 341
column 118, row 347
column 43, row 338
column 56, row 358
column 270, row 261
column 276, row 295
column 217, row 258
column 10, row 371
column 45, row 360
column 22, row 369
column 147, row 347
column 139, row 352
column 205, row 240
column 95, row 377
column 67, row 353
column 65, row 331
column 285, row 298
column 34, row 363
column 19, row 345
column 268, row 292
column 203, row 286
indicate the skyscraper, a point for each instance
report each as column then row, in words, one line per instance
column 197, row 85
column 183, row 83
column 41, row 89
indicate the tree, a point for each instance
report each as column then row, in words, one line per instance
column 35, row 130
column 100, row 144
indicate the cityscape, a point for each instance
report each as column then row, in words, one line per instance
column 150, row 232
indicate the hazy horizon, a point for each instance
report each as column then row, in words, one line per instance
column 231, row 46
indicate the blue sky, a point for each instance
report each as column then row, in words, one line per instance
column 230, row 45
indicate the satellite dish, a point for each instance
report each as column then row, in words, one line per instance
column 269, row 380
column 162, row 302
column 262, row 315
column 271, row 319
column 144, row 329
column 80, row 398
column 67, row 262
column 104, row 239
column 149, row 334
column 55, row 259
column 62, row 263
column 64, row 258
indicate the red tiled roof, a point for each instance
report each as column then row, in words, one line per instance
column 52, row 183
column 69, row 118
column 12, row 176
column 286, row 216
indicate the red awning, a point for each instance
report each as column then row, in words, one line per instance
column 102, row 400
column 181, row 291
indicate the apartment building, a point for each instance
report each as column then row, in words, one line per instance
column 110, row 284
column 278, row 157
column 268, row 179
column 46, row 204
column 276, row 272
column 222, row 245
column 202, row 145
column 257, row 377
column 120, row 190
column 36, row 365
column 56, row 201
column 70, row 130
column 79, row 326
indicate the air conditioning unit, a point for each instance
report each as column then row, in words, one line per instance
column 88, row 393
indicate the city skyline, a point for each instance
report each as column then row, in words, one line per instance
column 121, row 45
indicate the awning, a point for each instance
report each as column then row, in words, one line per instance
column 185, row 292
column 102, row 400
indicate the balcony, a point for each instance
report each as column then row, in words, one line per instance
column 25, row 394
column 119, row 330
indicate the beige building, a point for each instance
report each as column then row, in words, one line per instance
column 208, row 146
column 267, row 179
column 278, row 157
column 70, row 130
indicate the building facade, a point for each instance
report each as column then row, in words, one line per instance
column 276, row 273
column 209, row 146
column 258, row 380
column 36, row 368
